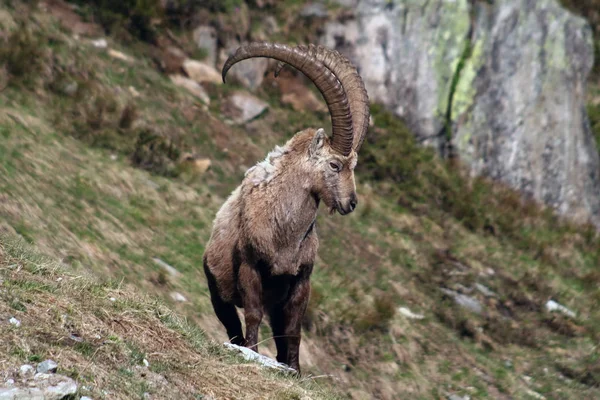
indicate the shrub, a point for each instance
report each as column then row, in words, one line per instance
column 134, row 16
column 155, row 152
column 378, row 316
column 24, row 54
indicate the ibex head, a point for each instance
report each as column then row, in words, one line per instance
column 332, row 160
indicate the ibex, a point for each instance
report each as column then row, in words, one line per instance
column 263, row 245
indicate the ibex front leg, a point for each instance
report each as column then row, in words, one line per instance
column 251, row 292
column 293, row 312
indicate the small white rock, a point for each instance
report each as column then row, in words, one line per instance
column 112, row 299
column 146, row 363
column 14, row 321
column 170, row 269
column 486, row 291
column 535, row 395
column 134, row 91
column 119, row 55
column 409, row 314
column 457, row 397
column 251, row 355
column 552, row 305
column 26, row 370
column 178, row 297
column 85, row 398
column 10, row 382
column 47, row 366
column 100, row 43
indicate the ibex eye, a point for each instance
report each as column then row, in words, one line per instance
column 334, row 166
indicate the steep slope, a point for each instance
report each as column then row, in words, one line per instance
column 115, row 342
column 475, row 262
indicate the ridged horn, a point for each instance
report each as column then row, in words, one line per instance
column 324, row 79
column 352, row 83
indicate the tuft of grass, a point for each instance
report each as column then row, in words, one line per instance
column 378, row 316
column 132, row 17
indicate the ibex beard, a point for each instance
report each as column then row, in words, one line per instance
column 264, row 242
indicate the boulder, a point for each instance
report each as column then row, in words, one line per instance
column 192, row 86
column 243, row 107
column 205, row 38
column 519, row 112
column 500, row 84
column 407, row 53
column 201, row 72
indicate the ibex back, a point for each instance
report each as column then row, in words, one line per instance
column 264, row 241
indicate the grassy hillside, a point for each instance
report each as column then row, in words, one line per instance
column 115, row 342
column 89, row 176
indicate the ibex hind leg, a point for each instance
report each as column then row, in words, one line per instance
column 226, row 312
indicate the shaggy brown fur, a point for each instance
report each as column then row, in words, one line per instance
column 264, row 242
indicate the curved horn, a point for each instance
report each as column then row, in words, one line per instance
column 319, row 74
column 354, row 86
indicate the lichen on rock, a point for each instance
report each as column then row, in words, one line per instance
column 519, row 109
column 407, row 53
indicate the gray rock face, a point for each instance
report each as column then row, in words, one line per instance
column 243, row 107
column 519, row 108
column 206, row 40
column 508, row 78
column 407, row 52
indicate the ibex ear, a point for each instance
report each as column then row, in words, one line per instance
column 317, row 142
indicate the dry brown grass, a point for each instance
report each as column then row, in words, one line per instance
column 99, row 334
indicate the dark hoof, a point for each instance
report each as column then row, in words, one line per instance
column 238, row 341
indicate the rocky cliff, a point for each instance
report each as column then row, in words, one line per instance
column 500, row 84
